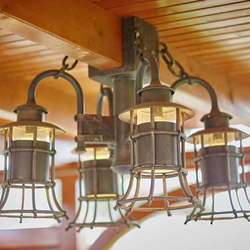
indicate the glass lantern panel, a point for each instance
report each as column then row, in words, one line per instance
column 44, row 134
column 23, row 133
column 215, row 139
column 161, row 114
column 101, row 153
column 218, row 139
column 27, row 133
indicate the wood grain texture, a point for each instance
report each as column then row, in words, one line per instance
column 91, row 35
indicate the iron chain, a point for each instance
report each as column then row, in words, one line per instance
column 169, row 60
column 138, row 44
column 65, row 67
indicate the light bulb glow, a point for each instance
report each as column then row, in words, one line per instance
column 159, row 171
column 27, row 133
column 216, row 139
column 101, row 153
column 161, row 114
column 101, row 195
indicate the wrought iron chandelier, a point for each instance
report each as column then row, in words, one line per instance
column 148, row 135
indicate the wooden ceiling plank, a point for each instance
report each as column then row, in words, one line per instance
column 29, row 63
column 237, row 72
column 217, row 11
column 19, row 59
column 204, row 32
column 180, row 8
column 107, row 4
column 230, row 31
column 212, row 44
column 236, row 65
column 86, row 32
column 204, row 26
column 4, row 32
column 218, row 49
column 10, row 38
column 22, row 50
column 207, row 21
column 17, row 44
column 226, row 69
column 34, row 71
column 229, row 59
column 215, row 38
column 233, row 53
column 130, row 6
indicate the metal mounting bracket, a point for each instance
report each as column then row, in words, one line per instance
column 138, row 36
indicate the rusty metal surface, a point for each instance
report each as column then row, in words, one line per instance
column 148, row 38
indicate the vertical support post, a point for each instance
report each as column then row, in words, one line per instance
column 122, row 80
column 153, row 153
column 5, row 154
column 123, row 99
column 53, row 156
column 10, row 152
column 243, row 175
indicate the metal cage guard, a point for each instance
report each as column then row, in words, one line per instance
column 150, row 171
column 32, row 115
column 94, row 169
column 225, row 157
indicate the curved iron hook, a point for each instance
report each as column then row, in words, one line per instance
column 191, row 81
column 64, row 75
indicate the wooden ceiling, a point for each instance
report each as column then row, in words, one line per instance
column 209, row 38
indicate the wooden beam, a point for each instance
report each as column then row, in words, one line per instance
column 79, row 29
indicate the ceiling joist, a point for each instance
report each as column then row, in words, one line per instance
column 79, row 29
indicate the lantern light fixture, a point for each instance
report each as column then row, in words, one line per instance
column 98, row 184
column 217, row 160
column 29, row 145
column 29, row 154
column 157, row 146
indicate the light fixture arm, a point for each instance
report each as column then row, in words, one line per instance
column 55, row 74
column 79, row 94
column 139, row 80
column 190, row 80
column 152, row 60
column 105, row 92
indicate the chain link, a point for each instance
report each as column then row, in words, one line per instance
column 65, row 67
column 169, row 60
column 138, row 43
